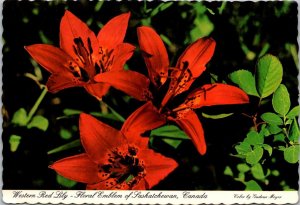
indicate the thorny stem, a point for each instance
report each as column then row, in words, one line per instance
column 37, row 103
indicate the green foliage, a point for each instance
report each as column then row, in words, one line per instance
column 255, row 155
column 245, row 80
column 14, row 141
column 268, row 76
column 75, row 143
column 252, row 186
column 39, row 122
column 65, row 133
column 294, row 112
column 291, row 154
column 281, row 100
column 219, row 116
column 65, row 182
column 20, row 117
column 271, row 118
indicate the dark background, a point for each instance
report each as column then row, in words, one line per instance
column 27, row 23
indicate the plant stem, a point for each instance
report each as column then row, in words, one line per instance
column 122, row 119
column 37, row 103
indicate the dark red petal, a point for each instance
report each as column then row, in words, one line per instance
column 157, row 166
column 97, row 90
column 142, row 185
column 130, row 82
column 113, row 32
column 98, row 138
column 60, row 81
column 121, row 54
column 78, row 168
column 72, row 27
column 144, row 118
column 155, row 55
column 215, row 94
column 53, row 59
column 191, row 125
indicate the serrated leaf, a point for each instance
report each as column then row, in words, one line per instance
column 271, row 118
column 279, row 137
column 170, row 131
column 75, row 143
column 14, row 141
column 245, row 80
column 257, row 171
column 294, row 132
column 268, row 148
column 65, row 182
column 243, row 167
column 254, row 156
column 39, row 122
column 243, row 148
column 172, row 142
column 252, row 186
column 291, row 154
column 294, row 112
column 20, row 117
column 273, row 129
column 228, row 171
column 65, row 134
column 281, row 100
column 253, row 138
column 268, row 76
column 219, row 116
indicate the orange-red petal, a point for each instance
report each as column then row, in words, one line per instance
column 98, row 138
column 215, row 94
column 191, row 125
column 130, row 82
column 155, row 55
column 144, row 118
column 121, row 53
column 72, row 27
column 60, row 81
column 97, row 90
column 113, row 32
column 79, row 168
column 53, row 59
column 157, row 166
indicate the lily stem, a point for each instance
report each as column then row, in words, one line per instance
column 37, row 104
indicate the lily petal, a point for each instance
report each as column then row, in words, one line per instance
column 60, row 81
column 53, row 59
column 98, row 90
column 157, row 166
column 97, row 138
column 144, row 118
column 72, row 27
column 121, row 53
column 155, row 55
column 191, row 125
column 113, row 32
column 78, row 168
column 215, row 94
column 130, row 82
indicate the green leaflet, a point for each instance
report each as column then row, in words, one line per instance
column 281, row 100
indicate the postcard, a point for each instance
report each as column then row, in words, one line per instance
column 150, row 102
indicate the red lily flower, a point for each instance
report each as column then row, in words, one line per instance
column 189, row 66
column 113, row 159
column 82, row 55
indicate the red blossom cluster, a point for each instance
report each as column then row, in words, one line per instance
column 116, row 159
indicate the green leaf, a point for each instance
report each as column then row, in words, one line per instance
column 39, row 122
column 20, row 117
column 241, row 176
column 110, row 116
column 75, row 143
column 243, row 167
column 245, row 80
column 65, row 182
column 170, row 131
column 98, row 5
column 291, row 154
column 268, row 76
column 268, row 148
column 257, row 171
column 294, row 132
column 275, row 173
column 252, row 186
column 14, row 141
column 203, row 27
column 254, row 156
column 279, row 137
column 228, row 171
column 294, row 112
column 254, row 138
column 273, row 129
column 160, row 7
column 271, row 118
column 65, row 134
column 281, row 100
column 243, row 148
column 172, row 142
column 68, row 111
column 219, row 116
